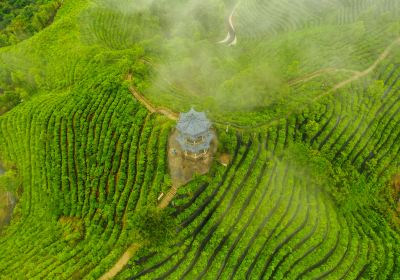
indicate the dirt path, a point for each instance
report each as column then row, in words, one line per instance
column 361, row 74
column 151, row 108
column 318, row 73
column 130, row 252
column 231, row 38
column 357, row 75
column 121, row 262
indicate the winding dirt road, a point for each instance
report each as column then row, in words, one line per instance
column 121, row 262
column 364, row 73
column 231, row 38
column 131, row 251
column 161, row 110
column 319, row 73
column 149, row 106
column 357, row 75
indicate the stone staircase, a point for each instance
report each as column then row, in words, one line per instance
column 168, row 197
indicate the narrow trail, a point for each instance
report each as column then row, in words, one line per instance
column 149, row 106
column 129, row 253
column 357, row 75
column 319, row 73
column 231, row 38
column 361, row 74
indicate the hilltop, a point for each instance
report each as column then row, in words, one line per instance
column 305, row 104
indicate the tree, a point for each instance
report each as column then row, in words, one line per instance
column 154, row 226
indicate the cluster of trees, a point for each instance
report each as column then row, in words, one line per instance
column 20, row 20
column 154, row 227
column 13, row 89
column 8, row 100
column 23, row 18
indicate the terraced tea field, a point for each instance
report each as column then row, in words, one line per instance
column 71, row 136
column 306, row 106
column 274, row 221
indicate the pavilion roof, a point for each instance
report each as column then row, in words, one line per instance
column 193, row 123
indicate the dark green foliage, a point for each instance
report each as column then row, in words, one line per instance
column 21, row 19
column 154, row 227
column 10, row 181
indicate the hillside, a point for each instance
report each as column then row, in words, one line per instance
column 305, row 102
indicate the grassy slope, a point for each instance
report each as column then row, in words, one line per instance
column 90, row 156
